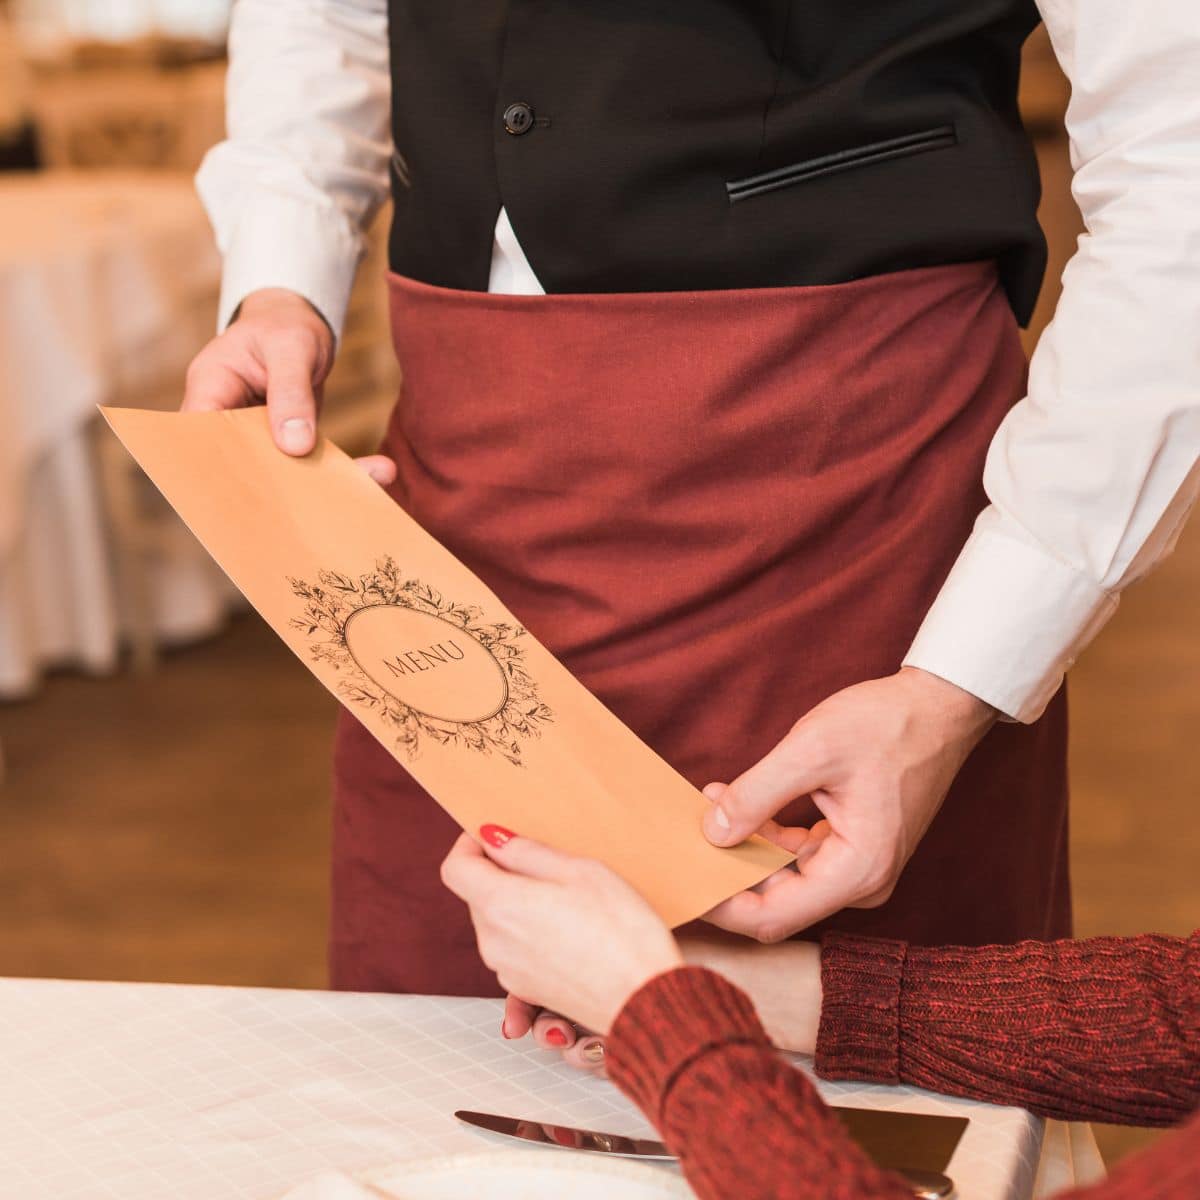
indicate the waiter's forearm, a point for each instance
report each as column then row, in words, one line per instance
column 304, row 166
column 1092, row 475
column 1105, row 1029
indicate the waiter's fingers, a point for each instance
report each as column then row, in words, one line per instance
column 796, row 839
column 553, row 1032
column 794, row 768
column 775, row 879
column 292, row 365
column 379, row 467
column 213, row 384
column 524, row 856
column 801, row 842
column 829, row 883
column 812, row 843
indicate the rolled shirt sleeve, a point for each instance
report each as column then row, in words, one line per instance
column 304, row 165
column 1091, row 476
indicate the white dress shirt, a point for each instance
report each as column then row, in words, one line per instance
column 1089, row 478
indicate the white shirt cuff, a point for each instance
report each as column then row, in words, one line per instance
column 278, row 241
column 1008, row 623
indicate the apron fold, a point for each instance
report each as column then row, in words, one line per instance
column 717, row 509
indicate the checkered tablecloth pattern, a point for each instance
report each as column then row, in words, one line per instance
column 161, row 1092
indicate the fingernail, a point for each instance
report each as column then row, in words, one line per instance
column 593, row 1052
column 295, row 435
column 720, row 820
column 556, row 1037
column 504, row 1031
column 496, row 835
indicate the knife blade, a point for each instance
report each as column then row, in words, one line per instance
column 926, row 1185
column 565, row 1137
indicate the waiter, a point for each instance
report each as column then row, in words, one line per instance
column 707, row 316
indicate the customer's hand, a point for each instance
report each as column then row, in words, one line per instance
column 579, row 1046
column 278, row 351
column 877, row 760
column 563, row 933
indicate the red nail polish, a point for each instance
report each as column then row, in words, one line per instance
column 556, row 1037
column 496, row 835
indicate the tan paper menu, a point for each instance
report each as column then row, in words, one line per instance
column 430, row 660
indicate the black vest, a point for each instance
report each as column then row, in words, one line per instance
column 666, row 145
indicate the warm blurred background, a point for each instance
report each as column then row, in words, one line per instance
column 163, row 761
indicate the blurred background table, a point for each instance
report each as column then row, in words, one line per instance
column 187, row 1093
column 107, row 286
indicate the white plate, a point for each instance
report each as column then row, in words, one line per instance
column 526, row 1175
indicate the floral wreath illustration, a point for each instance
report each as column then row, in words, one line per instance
column 335, row 598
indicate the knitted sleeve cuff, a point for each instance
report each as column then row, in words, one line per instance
column 671, row 1022
column 859, row 1034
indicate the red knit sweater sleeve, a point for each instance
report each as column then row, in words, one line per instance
column 690, row 1051
column 1105, row 1029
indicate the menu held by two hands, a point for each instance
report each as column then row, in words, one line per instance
column 428, row 658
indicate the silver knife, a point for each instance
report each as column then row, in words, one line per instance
column 926, row 1185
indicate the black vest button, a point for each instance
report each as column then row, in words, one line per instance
column 518, row 118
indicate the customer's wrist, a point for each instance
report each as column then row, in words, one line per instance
column 783, row 981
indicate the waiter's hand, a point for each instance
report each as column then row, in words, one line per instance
column 877, row 760
column 278, row 351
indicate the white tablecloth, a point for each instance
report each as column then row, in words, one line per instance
column 107, row 282
column 157, row 1092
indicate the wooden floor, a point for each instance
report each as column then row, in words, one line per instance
column 175, row 827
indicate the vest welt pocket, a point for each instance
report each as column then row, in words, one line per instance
column 841, row 160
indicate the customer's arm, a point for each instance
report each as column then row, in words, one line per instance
column 688, row 1048
column 690, row 1051
column 1103, row 1029
column 568, row 934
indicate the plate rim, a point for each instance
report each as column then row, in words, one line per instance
column 662, row 1176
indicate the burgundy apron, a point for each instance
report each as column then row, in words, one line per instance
column 717, row 509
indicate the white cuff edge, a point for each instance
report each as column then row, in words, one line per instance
column 281, row 242
column 1008, row 623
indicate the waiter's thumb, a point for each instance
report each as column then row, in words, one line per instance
column 756, row 795
column 291, row 400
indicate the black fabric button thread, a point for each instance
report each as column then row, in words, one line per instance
column 518, row 118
